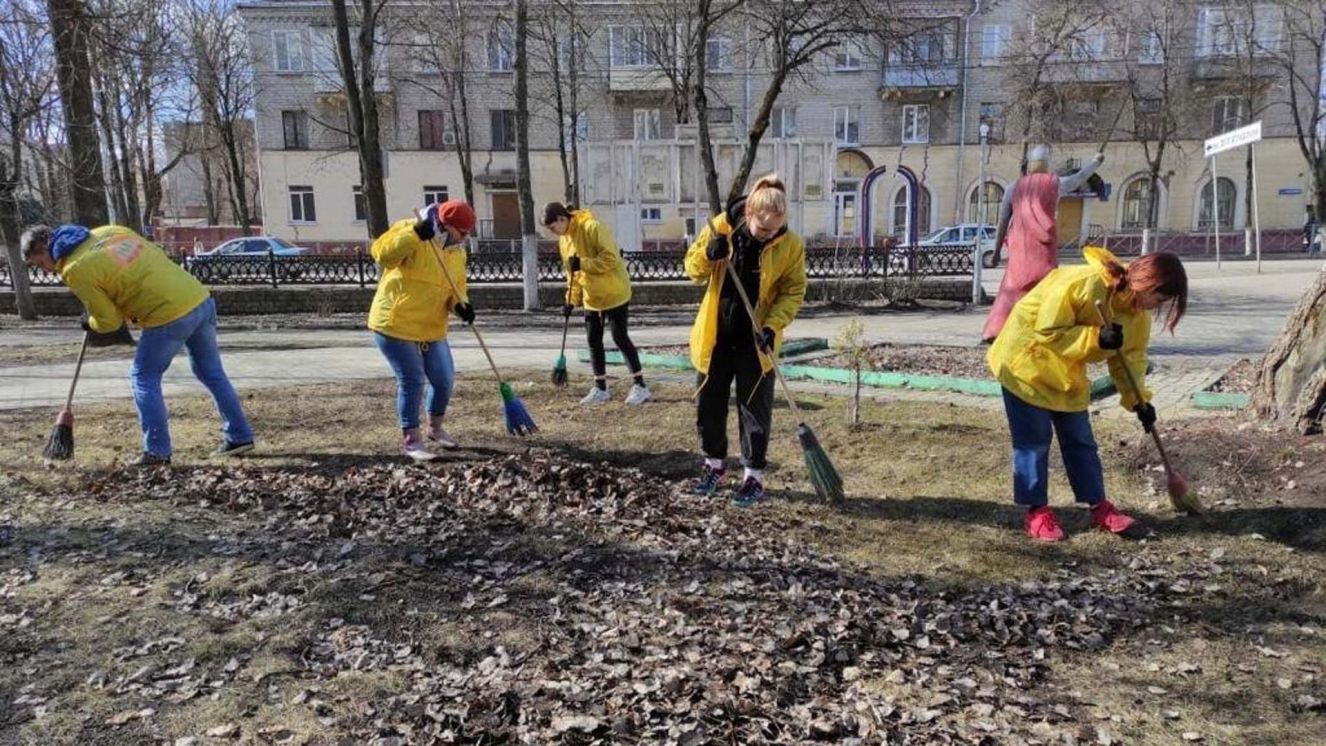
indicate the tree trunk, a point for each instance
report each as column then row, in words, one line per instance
column 756, row 134
column 530, row 239
column 69, row 30
column 856, row 396
column 1291, row 384
column 361, row 103
column 10, row 230
column 706, row 145
column 209, row 194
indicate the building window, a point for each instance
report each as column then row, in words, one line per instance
column 1152, row 51
column 784, row 122
column 916, row 123
column 295, row 126
column 1084, row 108
column 925, row 48
column 647, row 124
column 651, row 215
column 847, row 125
column 578, row 129
column 435, row 194
column 847, row 57
column 1227, row 113
column 302, row 208
column 992, row 115
column 1205, row 217
column 994, row 43
column 844, row 212
column 1089, row 45
column 901, row 216
column 718, row 54
column 1239, row 31
column 501, row 56
column 432, row 130
column 720, row 115
column 985, row 211
column 361, row 204
column 1147, row 119
column 626, row 47
column 503, row 129
column 1136, row 203
column 287, row 51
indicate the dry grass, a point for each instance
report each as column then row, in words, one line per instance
column 928, row 490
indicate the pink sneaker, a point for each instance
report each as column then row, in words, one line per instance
column 1106, row 517
column 1042, row 525
column 414, row 447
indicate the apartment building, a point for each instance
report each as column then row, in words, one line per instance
column 919, row 96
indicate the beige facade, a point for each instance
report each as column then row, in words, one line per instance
column 915, row 102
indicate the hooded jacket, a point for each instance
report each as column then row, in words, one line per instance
column 414, row 299
column 602, row 282
column 782, row 286
column 119, row 275
column 1041, row 355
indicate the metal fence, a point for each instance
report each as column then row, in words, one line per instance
column 494, row 266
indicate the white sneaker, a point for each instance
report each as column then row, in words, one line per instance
column 596, row 395
column 639, row 395
column 416, row 449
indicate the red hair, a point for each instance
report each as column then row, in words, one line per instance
column 1161, row 272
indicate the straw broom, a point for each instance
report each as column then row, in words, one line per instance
column 60, row 444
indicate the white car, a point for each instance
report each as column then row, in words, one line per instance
column 966, row 234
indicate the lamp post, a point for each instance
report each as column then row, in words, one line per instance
column 980, row 218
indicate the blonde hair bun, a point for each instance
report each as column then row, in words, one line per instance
column 767, row 197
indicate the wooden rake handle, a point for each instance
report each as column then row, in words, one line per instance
column 78, row 369
column 1102, row 311
column 755, row 328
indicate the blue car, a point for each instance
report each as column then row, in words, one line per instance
column 248, row 257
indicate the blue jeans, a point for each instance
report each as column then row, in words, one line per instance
column 157, row 346
column 1032, row 428
column 413, row 362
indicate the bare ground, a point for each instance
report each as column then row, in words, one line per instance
column 567, row 590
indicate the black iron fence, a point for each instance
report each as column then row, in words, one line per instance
column 487, row 266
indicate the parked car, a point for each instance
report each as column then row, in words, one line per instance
column 245, row 256
column 965, row 235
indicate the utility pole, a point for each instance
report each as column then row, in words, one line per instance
column 529, row 242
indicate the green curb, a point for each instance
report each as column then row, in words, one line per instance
column 791, row 348
column 1101, row 387
column 1216, row 400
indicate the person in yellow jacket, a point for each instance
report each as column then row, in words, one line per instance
column 1040, row 358
column 409, row 314
column 120, row 277
column 596, row 279
column 770, row 260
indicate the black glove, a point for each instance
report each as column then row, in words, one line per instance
column 120, row 336
column 466, row 312
column 717, row 248
column 767, row 340
column 1111, row 337
column 1146, row 414
column 574, row 263
column 426, row 227
column 567, row 308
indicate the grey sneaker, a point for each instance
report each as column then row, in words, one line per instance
column 146, row 458
column 596, row 395
column 639, row 395
column 227, row 449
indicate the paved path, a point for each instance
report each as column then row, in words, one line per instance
column 1233, row 312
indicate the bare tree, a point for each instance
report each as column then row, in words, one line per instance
column 69, row 28
column 358, row 74
column 442, row 62
column 27, row 81
column 529, row 235
column 562, row 35
column 219, row 68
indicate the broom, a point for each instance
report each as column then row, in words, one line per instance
column 518, row 420
column 60, row 444
column 823, row 476
column 559, row 368
column 1181, row 498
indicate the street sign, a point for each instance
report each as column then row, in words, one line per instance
column 1234, row 138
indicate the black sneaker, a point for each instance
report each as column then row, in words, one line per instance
column 232, row 449
column 709, row 482
column 751, row 492
column 147, row 458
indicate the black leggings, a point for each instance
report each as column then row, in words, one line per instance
column 617, row 319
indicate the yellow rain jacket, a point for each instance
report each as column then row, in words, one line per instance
column 602, row 283
column 1054, row 331
column 120, row 275
column 782, row 289
column 413, row 299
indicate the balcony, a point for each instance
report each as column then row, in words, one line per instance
column 1088, row 71
column 1215, row 67
column 919, row 76
column 631, row 79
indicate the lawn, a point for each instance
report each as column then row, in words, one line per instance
column 566, row 589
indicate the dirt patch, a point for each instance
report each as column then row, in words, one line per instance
column 1239, row 379
column 964, row 362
